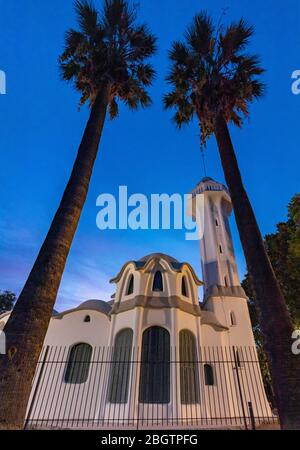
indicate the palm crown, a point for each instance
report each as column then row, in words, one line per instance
column 212, row 75
column 109, row 51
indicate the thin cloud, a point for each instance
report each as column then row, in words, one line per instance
column 83, row 282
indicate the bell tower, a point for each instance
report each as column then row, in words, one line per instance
column 218, row 263
column 223, row 293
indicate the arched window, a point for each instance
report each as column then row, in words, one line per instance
column 155, row 366
column 130, row 286
column 184, row 290
column 158, row 282
column 232, row 319
column 87, row 319
column 209, row 375
column 78, row 364
column 120, row 368
column 189, row 378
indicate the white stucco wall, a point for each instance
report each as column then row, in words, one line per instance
column 71, row 329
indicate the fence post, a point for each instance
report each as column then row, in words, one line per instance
column 138, row 371
column 251, row 415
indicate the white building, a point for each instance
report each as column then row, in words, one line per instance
column 154, row 355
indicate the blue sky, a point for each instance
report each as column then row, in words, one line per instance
column 41, row 129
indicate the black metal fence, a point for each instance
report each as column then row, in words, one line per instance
column 105, row 388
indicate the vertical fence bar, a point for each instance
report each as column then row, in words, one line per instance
column 251, row 416
column 239, row 387
column 97, row 405
column 61, row 364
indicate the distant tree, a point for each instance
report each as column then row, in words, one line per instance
column 7, row 301
column 283, row 248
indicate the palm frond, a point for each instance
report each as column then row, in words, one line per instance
column 249, row 65
column 235, row 39
column 118, row 15
column 172, row 99
column 180, row 77
column 69, row 70
column 179, row 53
column 145, row 99
column 236, row 119
column 200, row 33
column 145, row 74
column 113, row 109
column 182, row 118
column 142, row 43
column 87, row 16
column 258, row 89
column 135, row 95
column 73, row 40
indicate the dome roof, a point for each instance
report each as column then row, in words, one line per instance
column 142, row 263
column 168, row 258
column 206, row 179
column 92, row 305
column 97, row 305
column 209, row 184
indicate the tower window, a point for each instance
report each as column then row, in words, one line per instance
column 87, row 319
column 184, row 290
column 208, row 375
column 130, row 286
column 220, row 248
column 225, row 281
column 232, row 319
column 157, row 282
column 217, row 223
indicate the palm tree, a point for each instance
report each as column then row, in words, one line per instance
column 214, row 80
column 106, row 60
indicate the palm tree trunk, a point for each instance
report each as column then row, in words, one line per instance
column 27, row 326
column 275, row 320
